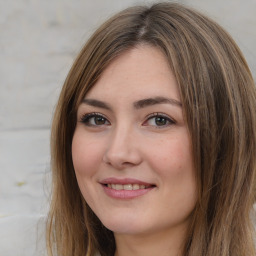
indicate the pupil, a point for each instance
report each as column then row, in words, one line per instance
column 99, row 120
column 160, row 121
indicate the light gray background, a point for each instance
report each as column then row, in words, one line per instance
column 38, row 42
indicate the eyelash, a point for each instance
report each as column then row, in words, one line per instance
column 160, row 115
column 85, row 119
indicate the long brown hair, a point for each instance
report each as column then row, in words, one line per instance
column 219, row 102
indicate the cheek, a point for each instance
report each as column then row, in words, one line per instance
column 172, row 160
column 86, row 154
column 178, row 176
column 172, row 156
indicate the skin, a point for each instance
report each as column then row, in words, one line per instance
column 128, row 141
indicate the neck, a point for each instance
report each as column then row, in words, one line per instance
column 165, row 243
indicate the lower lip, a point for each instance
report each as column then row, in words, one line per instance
column 125, row 194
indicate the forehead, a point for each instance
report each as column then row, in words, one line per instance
column 139, row 72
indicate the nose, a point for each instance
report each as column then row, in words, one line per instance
column 122, row 150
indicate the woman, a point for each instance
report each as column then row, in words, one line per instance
column 154, row 141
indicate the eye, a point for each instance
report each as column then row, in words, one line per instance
column 94, row 119
column 158, row 120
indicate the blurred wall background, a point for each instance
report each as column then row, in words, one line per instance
column 38, row 42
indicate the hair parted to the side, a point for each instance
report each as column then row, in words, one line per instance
column 219, row 104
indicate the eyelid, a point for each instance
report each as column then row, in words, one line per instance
column 83, row 117
column 91, row 114
column 159, row 114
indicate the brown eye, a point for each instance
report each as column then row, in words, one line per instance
column 94, row 119
column 158, row 120
column 99, row 120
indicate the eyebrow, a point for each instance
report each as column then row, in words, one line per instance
column 96, row 103
column 156, row 100
column 137, row 105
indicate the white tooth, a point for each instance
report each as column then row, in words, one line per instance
column 135, row 186
column 119, row 187
column 128, row 187
column 109, row 185
column 113, row 186
column 142, row 186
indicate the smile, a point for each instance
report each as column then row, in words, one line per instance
column 127, row 186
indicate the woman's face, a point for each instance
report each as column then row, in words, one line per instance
column 131, row 147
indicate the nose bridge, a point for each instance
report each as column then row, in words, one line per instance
column 121, row 134
column 122, row 149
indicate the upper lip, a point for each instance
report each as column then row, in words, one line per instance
column 124, row 181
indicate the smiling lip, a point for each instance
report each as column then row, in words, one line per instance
column 125, row 188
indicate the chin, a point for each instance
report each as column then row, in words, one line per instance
column 123, row 225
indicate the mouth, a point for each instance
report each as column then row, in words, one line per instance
column 126, row 188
